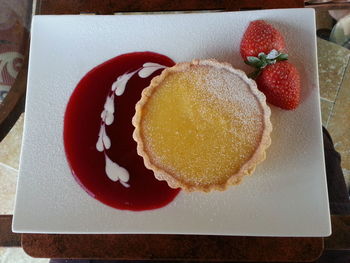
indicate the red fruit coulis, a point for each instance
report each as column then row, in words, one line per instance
column 82, row 123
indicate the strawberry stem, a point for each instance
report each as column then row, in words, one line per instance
column 263, row 60
column 254, row 74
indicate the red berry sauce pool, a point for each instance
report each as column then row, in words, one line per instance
column 86, row 120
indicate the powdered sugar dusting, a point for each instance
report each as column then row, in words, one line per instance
column 200, row 109
column 230, row 88
column 231, row 92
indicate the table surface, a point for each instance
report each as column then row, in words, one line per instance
column 168, row 247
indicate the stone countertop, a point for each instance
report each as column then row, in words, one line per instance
column 334, row 75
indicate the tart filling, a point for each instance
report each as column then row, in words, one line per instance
column 202, row 126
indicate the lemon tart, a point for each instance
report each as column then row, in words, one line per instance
column 202, row 125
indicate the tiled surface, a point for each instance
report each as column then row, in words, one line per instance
column 346, row 173
column 8, row 180
column 17, row 255
column 339, row 123
column 334, row 71
column 326, row 109
column 10, row 146
column 331, row 64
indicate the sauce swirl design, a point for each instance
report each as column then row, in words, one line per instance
column 98, row 133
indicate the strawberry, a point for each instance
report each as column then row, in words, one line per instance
column 280, row 82
column 261, row 37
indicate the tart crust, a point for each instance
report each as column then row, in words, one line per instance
column 246, row 169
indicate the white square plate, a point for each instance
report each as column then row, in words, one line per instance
column 286, row 196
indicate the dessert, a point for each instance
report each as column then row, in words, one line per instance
column 202, row 126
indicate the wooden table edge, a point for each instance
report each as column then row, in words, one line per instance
column 338, row 241
column 173, row 247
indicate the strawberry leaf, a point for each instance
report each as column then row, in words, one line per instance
column 281, row 57
column 273, row 54
column 263, row 60
column 263, row 64
column 253, row 60
column 261, row 55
